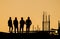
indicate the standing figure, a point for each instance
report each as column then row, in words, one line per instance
column 10, row 25
column 28, row 23
column 22, row 22
column 15, row 22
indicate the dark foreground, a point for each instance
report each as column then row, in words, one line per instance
column 37, row 35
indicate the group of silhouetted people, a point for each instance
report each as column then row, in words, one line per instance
column 28, row 22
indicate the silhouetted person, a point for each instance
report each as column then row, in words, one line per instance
column 15, row 22
column 10, row 25
column 22, row 22
column 28, row 23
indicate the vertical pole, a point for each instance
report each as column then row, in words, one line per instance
column 33, row 27
column 46, row 23
column 43, row 23
column 49, row 21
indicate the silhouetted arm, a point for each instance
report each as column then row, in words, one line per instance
column 24, row 22
column 8, row 23
column 31, row 22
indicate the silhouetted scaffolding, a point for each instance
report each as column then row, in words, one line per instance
column 59, row 27
column 58, row 24
column 37, row 28
column 46, row 22
column 33, row 27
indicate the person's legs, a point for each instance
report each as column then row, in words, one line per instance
column 9, row 29
column 28, row 29
column 12, row 29
column 17, row 29
column 22, row 29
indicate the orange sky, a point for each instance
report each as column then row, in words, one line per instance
column 32, row 8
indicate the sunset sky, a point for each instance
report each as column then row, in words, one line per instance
column 32, row 8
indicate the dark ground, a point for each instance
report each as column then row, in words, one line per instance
column 37, row 35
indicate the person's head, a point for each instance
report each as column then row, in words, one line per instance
column 15, row 18
column 21, row 18
column 28, row 18
column 9, row 18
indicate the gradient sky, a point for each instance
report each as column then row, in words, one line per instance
column 32, row 8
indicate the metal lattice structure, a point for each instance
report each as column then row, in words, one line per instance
column 46, row 22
